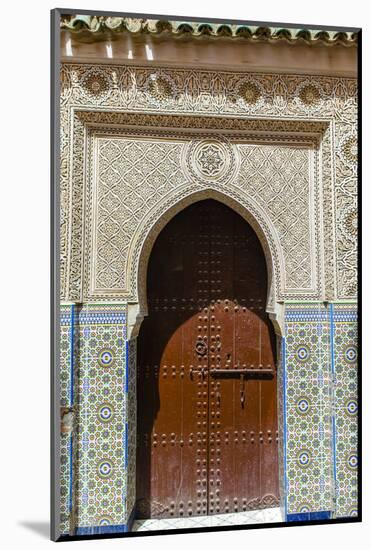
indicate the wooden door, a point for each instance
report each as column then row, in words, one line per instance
column 207, row 420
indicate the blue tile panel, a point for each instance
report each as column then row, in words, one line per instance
column 345, row 313
column 333, row 415
column 94, row 316
column 308, row 434
column 281, row 424
column 306, row 312
column 104, row 529
column 131, row 427
column 100, row 442
column 309, row 516
column 320, row 381
column 101, row 529
column 66, row 359
column 345, row 355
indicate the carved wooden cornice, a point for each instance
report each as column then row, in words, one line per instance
column 95, row 27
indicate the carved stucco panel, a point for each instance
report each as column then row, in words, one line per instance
column 279, row 179
column 346, row 208
column 133, row 176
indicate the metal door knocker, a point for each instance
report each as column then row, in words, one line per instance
column 201, row 348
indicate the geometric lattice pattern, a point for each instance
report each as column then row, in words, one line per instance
column 321, row 409
column 309, row 467
column 285, row 198
column 132, row 427
column 132, row 176
column 344, row 328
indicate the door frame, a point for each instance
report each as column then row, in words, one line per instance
column 136, row 311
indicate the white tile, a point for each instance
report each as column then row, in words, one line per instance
column 268, row 515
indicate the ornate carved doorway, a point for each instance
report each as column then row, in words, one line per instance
column 207, row 410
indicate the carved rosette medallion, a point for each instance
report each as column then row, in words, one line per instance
column 210, row 160
column 160, row 89
column 250, row 94
column 348, row 149
column 349, row 224
column 309, row 96
column 96, row 85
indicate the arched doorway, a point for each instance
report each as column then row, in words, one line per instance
column 206, row 387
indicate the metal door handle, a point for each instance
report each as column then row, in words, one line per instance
column 246, row 373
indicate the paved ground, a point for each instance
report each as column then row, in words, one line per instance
column 268, row 515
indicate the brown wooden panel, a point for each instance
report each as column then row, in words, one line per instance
column 206, row 442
